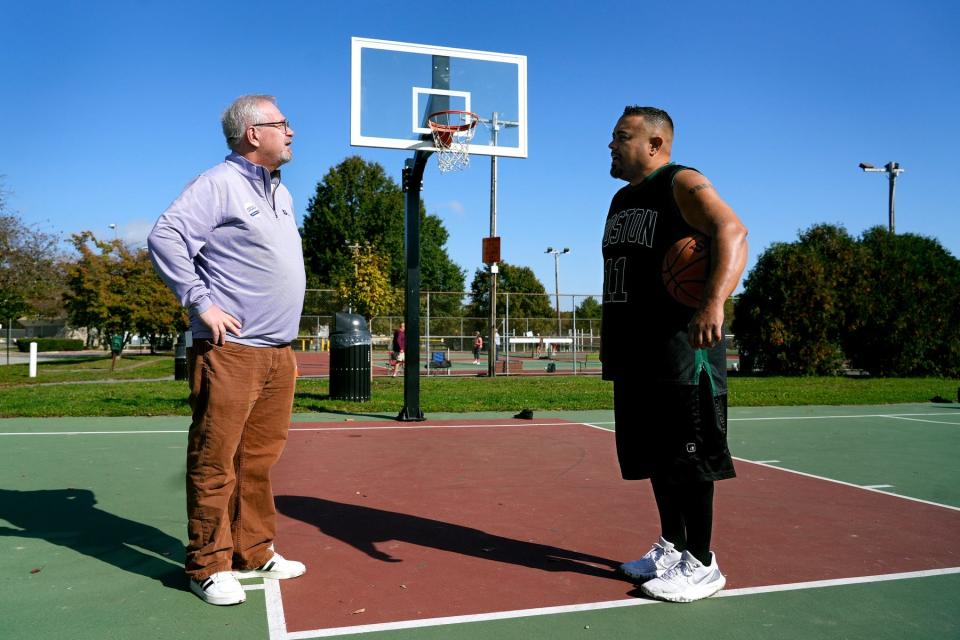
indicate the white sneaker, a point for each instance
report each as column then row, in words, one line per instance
column 222, row 588
column 687, row 580
column 654, row 563
column 277, row 567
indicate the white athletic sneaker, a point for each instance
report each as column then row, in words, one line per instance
column 222, row 588
column 654, row 563
column 687, row 580
column 277, row 567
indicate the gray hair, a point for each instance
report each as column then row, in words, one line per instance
column 244, row 112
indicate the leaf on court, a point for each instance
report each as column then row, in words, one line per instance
column 359, row 611
column 36, row 570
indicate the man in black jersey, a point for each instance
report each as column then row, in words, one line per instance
column 669, row 364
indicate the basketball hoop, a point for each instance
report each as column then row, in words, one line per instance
column 452, row 133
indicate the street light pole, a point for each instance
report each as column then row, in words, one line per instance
column 355, row 249
column 556, row 253
column 893, row 170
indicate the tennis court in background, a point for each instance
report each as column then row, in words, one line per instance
column 843, row 522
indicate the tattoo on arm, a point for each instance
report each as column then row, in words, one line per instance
column 700, row 187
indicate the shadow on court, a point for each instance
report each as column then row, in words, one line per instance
column 317, row 405
column 69, row 518
column 363, row 527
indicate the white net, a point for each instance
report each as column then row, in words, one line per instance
column 452, row 133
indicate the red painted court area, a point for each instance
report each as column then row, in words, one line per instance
column 403, row 521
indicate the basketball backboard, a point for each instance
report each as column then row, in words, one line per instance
column 395, row 86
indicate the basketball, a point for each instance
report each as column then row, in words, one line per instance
column 685, row 268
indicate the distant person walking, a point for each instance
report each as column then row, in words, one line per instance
column 229, row 249
column 398, row 345
column 477, row 346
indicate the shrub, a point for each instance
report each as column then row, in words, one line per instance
column 909, row 324
column 793, row 311
column 50, row 344
column 886, row 303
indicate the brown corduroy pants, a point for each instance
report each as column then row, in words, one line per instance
column 241, row 398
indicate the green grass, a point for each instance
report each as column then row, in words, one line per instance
column 750, row 391
column 86, row 368
column 24, row 397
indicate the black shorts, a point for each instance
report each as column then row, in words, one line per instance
column 675, row 432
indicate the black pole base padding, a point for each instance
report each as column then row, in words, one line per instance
column 411, row 414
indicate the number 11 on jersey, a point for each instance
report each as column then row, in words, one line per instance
column 614, row 273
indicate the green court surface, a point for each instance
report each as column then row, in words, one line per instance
column 92, row 528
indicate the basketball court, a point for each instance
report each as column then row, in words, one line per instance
column 470, row 526
column 843, row 522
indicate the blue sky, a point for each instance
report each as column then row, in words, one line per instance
column 109, row 109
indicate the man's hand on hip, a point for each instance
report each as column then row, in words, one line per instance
column 219, row 322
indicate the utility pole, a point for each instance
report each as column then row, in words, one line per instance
column 556, row 253
column 495, row 124
column 354, row 249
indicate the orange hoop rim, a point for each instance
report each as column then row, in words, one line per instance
column 452, row 128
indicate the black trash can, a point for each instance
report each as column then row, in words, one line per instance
column 350, row 358
column 180, row 359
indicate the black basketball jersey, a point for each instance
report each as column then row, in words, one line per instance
column 643, row 329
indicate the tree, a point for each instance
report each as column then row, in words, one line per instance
column 31, row 276
column 514, row 280
column 156, row 312
column 357, row 202
column 908, row 315
column 886, row 303
column 589, row 308
column 116, row 291
column 369, row 292
column 797, row 303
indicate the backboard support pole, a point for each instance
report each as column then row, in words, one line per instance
column 412, row 184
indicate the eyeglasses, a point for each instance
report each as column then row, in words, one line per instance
column 283, row 125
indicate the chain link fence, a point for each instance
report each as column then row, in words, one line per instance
column 452, row 317
column 530, row 330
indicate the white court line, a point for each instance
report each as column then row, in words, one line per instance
column 861, row 415
column 356, row 428
column 895, row 417
column 594, row 425
column 595, row 606
column 437, row 426
column 850, row 484
column 878, row 486
column 276, row 620
column 86, row 433
column 902, row 416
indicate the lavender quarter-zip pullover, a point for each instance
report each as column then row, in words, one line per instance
column 231, row 240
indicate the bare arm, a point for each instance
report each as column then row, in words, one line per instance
column 704, row 210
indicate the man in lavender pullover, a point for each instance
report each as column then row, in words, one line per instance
column 230, row 250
